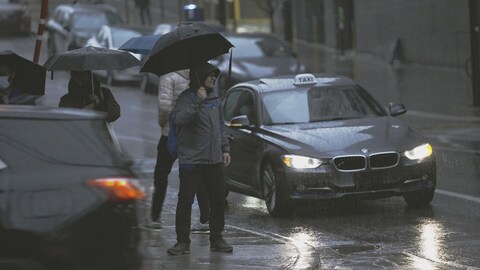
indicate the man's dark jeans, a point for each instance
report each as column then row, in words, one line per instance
column 163, row 168
column 191, row 176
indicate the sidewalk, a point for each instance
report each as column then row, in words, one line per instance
column 252, row 249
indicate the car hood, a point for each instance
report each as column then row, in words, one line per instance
column 344, row 137
column 253, row 68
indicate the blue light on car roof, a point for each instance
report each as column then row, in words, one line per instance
column 303, row 79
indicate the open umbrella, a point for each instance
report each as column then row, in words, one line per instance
column 183, row 47
column 29, row 76
column 141, row 45
column 91, row 58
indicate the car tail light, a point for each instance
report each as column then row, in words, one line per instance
column 121, row 188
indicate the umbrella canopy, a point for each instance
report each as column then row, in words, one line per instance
column 29, row 76
column 91, row 58
column 140, row 45
column 183, row 47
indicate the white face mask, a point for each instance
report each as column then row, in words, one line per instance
column 4, row 83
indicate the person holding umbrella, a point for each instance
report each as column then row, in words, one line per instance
column 81, row 96
column 170, row 86
column 203, row 150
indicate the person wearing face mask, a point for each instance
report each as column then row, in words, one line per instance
column 81, row 96
column 203, row 150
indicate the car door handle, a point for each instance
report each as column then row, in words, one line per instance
column 230, row 137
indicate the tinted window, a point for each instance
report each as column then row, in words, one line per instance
column 88, row 20
column 57, row 141
column 318, row 104
column 259, row 47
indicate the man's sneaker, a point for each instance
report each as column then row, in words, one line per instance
column 220, row 245
column 155, row 225
column 201, row 226
column 179, row 248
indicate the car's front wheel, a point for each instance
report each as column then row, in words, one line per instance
column 277, row 202
column 419, row 198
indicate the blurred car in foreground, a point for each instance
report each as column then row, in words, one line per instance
column 71, row 25
column 15, row 18
column 306, row 137
column 256, row 55
column 67, row 195
column 149, row 83
column 111, row 37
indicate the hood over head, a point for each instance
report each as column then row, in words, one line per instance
column 198, row 74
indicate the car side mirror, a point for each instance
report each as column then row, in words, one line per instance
column 396, row 109
column 240, row 121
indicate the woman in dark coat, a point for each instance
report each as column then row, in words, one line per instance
column 80, row 95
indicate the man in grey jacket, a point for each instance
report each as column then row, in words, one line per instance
column 203, row 150
column 170, row 86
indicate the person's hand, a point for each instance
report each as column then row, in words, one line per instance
column 94, row 98
column 202, row 93
column 89, row 107
column 226, row 159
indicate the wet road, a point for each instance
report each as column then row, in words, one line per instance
column 345, row 235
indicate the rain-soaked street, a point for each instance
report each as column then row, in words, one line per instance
column 381, row 234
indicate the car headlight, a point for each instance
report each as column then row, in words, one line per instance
column 419, row 152
column 301, row 162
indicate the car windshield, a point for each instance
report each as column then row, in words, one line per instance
column 88, row 20
column 55, row 141
column 318, row 104
column 249, row 47
column 120, row 36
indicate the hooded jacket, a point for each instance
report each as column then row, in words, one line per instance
column 170, row 86
column 201, row 138
column 78, row 97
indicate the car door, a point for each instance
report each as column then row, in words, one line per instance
column 244, row 145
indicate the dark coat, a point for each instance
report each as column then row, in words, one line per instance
column 201, row 137
column 79, row 98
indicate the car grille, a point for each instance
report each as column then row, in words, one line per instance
column 383, row 160
column 350, row 163
column 358, row 163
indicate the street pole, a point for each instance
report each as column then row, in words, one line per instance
column 41, row 28
column 474, row 48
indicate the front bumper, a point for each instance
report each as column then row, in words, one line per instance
column 326, row 182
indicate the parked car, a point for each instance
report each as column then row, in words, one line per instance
column 15, row 17
column 112, row 37
column 71, row 25
column 149, row 82
column 67, row 194
column 311, row 137
column 255, row 55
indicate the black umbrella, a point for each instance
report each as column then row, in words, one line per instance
column 183, row 47
column 29, row 76
column 91, row 58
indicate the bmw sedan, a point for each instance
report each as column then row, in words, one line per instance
column 68, row 196
column 313, row 137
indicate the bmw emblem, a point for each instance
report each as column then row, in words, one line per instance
column 364, row 150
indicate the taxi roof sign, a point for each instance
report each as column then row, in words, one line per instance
column 303, row 79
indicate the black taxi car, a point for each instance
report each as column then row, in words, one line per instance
column 310, row 137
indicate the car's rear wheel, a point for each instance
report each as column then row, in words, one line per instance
column 419, row 198
column 277, row 202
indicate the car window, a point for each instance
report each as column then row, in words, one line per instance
column 120, row 36
column 318, row 104
column 231, row 105
column 73, row 142
column 113, row 18
column 246, row 47
column 240, row 102
column 88, row 20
